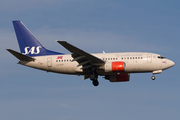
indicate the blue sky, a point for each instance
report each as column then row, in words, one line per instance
column 94, row 26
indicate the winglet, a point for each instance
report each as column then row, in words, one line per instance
column 20, row 56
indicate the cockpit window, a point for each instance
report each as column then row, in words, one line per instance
column 161, row 57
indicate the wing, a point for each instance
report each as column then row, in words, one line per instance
column 83, row 58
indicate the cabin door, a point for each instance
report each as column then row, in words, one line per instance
column 49, row 62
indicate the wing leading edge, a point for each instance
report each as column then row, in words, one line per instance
column 83, row 58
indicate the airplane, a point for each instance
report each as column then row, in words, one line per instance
column 115, row 67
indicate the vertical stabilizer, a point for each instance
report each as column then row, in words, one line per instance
column 28, row 44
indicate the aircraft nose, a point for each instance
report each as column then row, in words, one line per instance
column 171, row 63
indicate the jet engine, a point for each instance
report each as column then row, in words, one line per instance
column 114, row 66
column 118, row 78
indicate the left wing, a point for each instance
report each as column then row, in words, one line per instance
column 83, row 58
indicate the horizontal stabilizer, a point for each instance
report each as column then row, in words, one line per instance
column 20, row 56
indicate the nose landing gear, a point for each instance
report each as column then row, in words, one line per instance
column 153, row 77
column 155, row 72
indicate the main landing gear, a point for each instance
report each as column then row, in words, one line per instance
column 95, row 82
column 94, row 79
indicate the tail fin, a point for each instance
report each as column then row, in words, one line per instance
column 28, row 44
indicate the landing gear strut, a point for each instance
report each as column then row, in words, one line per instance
column 94, row 78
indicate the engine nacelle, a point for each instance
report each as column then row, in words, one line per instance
column 118, row 78
column 114, row 66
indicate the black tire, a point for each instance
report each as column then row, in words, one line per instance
column 95, row 83
column 153, row 77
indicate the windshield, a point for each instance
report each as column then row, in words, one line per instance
column 161, row 57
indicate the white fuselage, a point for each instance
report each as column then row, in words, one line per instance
column 135, row 62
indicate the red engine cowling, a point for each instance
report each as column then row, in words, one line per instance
column 114, row 66
column 118, row 78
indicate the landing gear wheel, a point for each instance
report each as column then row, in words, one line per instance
column 95, row 83
column 153, row 77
